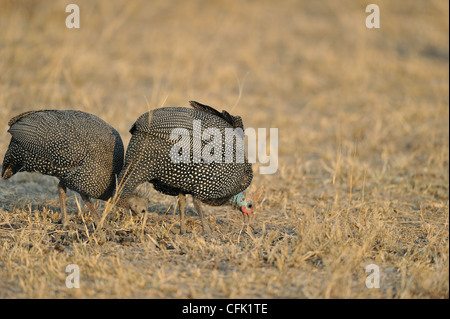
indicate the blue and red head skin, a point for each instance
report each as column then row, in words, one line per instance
column 244, row 205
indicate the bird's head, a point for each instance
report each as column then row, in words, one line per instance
column 240, row 202
column 137, row 204
column 246, row 202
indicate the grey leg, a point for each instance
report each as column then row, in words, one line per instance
column 62, row 202
column 91, row 207
column 182, row 205
column 198, row 208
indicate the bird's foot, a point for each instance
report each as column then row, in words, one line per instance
column 206, row 229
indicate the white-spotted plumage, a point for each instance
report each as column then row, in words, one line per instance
column 148, row 157
column 80, row 149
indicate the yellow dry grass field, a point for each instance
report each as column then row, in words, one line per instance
column 363, row 147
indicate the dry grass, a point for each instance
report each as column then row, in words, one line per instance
column 363, row 146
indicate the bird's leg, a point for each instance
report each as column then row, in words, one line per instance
column 247, row 223
column 62, row 202
column 91, row 207
column 182, row 205
column 198, row 208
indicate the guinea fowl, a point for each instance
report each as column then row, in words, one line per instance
column 152, row 156
column 80, row 149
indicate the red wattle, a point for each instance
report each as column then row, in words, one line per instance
column 247, row 212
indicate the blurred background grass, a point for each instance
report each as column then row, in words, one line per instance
column 362, row 113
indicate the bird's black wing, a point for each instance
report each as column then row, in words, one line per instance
column 234, row 121
column 41, row 133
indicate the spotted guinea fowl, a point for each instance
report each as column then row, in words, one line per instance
column 81, row 150
column 153, row 155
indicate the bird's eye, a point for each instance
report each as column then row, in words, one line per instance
column 143, row 211
column 249, row 205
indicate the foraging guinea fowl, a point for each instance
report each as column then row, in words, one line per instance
column 81, row 150
column 150, row 158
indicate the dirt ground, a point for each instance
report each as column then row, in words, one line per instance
column 363, row 147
